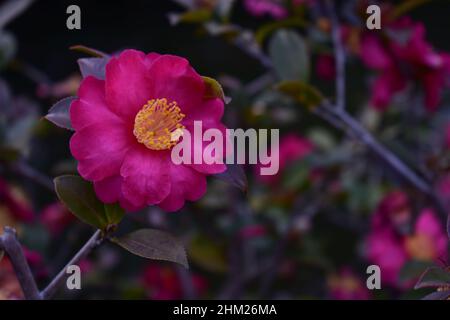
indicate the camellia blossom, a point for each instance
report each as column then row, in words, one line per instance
column 399, row 62
column 326, row 67
column 56, row 217
column 124, row 130
column 292, row 147
column 390, row 247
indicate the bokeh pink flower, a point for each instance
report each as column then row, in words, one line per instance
column 400, row 62
column 389, row 243
column 292, row 148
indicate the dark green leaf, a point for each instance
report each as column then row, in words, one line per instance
column 214, row 90
column 154, row 244
column 289, row 54
column 433, row 277
column 412, row 270
column 79, row 197
column 114, row 213
column 301, row 92
column 193, row 16
column 234, row 175
column 269, row 28
column 93, row 67
column 59, row 113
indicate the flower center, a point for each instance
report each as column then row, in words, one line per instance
column 157, row 125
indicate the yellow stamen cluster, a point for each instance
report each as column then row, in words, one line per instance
column 157, row 125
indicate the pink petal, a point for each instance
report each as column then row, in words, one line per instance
column 146, row 179
column 90, row 107
column 172, row 77
column 127, row 83
column 100, row 149
column 186, row 184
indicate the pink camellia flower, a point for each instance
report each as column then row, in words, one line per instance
column 401, row 62
column 292, row 147
column 124, row 129
column 347, row 286
column 390, row 247
column 163, row 283
column 326, row 67
column 56, row 217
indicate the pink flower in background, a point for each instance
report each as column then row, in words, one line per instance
column 56, row 217
column 292, row 148
column 400, row 62
column 326, row 67
column 347, row 286
column 274, row 8
column 14, row 203
column 163, row 283
column 390, row 247
column 124, row 125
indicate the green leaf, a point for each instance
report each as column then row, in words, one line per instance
column 234, row 175
column 114, row 213
column 301, row 92
column 267, row 29
column 154, row 244
column 95, row 67
column 8, row 48
column 433, row 277
column 412, row 270
column 79, row 197
column 289, row 54
column 214, row 90
column 193, row 16
column 208, row 255
column 59, row 113
column 89, row 51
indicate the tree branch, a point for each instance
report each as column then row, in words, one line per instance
column 92, row 243
column 339, row 55
column 10, row 244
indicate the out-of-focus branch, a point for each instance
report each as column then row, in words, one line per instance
column 340, row 119
column 12, row 247
column 25, row 170
column 54, row 285
column 339, row 54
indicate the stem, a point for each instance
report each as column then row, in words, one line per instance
column 92, row 243
column 23, row 169
column 9, row 243
column 339, row 55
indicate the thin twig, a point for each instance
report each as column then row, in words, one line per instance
column 25, row 170
column 54, row 285
column 339, row 55
column 12, row 247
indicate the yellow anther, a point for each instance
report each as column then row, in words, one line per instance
column 157, row 125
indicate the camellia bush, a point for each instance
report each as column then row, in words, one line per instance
column 93, row 205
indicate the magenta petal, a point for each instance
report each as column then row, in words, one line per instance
column 146, row 179
column 90, row 107
column 172, row 77
column 186, row 184
column 100, row 149
column 127, row 84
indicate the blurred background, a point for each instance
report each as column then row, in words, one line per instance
column 309, row 232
